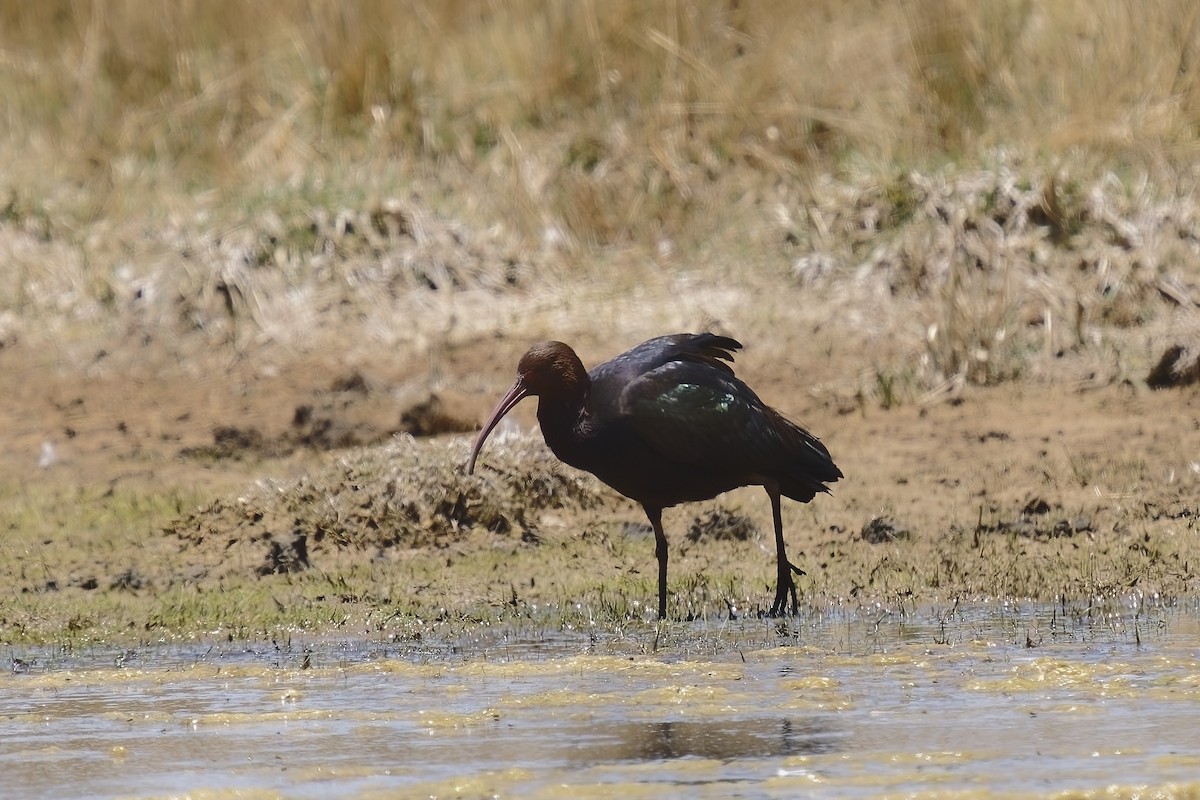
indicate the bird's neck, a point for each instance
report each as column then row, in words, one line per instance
column 566, row 426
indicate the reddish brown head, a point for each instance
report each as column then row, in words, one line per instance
column 548, row 370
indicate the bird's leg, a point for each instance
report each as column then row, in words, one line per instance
column 785, row 587
column 660, row 551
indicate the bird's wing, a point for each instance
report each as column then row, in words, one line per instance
column 611, row 379
column 705, row 348
column 696, row 414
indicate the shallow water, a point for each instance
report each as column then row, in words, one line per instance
column 847, row 705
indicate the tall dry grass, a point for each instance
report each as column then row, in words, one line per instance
column 610, row 119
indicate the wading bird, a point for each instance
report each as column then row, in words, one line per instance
column 668, row 423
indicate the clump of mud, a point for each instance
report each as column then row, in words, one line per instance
column 1176, row 367
column 1038, row 519
column 351, row 412
column 881, row 530
column 405, row 495
column 436, row 413
column 722, row 524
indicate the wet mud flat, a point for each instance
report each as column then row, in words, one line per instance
column 970, row 701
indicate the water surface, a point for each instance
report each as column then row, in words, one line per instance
column 988, row 700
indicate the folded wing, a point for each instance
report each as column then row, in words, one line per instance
column 689, row 406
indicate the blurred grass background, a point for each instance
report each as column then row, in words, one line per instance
column 611, row 122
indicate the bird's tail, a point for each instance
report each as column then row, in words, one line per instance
column 811, row 467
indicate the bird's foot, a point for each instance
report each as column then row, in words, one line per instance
column 780, row 607
column 785, row 589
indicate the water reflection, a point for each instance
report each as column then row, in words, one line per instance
column 720, row 740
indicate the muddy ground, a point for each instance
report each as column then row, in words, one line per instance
column 258, row 431
column 315, row 497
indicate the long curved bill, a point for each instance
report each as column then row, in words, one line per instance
column 516, row 394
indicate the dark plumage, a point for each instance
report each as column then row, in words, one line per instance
column 667, row 423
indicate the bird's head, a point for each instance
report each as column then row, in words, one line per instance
column 549, row 370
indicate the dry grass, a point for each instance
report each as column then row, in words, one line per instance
column 238, row 171
column 236, row 163
column 618, row 130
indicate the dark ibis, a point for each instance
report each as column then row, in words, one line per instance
column 666, row 423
